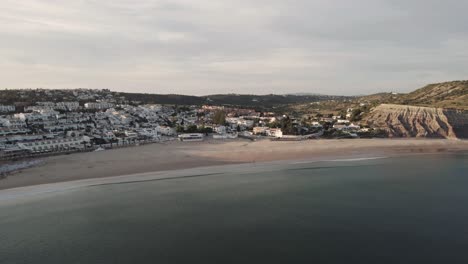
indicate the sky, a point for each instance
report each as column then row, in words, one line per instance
column 205, row 47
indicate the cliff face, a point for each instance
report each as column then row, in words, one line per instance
column 415, row 121
column 459, row 121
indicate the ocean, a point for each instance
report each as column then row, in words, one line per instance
column 411, row 209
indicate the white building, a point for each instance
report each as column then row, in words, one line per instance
column 6, row 131
column 275, row 132
column 150, row 133
column 5, row 122
column 55, row 144
column 271, row 132
column 67, row 106
column 7, row 108
column 260, row 130
column 342, row 121
column 191, row 137
column 316, row 124
column 166, row 130
column 47, row 104
column 220, row 129
column 235, row 121
column 130, row 134
column 99, row 105
column 353, row 127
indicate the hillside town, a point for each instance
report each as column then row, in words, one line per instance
column 94, row 122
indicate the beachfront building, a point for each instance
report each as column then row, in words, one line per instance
column 220, row 129
column 275, row 132
column 349, row 128
column 260, row 130
column 353, row 127
column 191, row 137
column 241, row 122
column 271, row 132
column 166, row 130
column 131, row 134
column 55, row 144
column 148, row 133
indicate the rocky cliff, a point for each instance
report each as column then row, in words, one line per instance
column 416, row 121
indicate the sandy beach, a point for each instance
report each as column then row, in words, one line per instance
column 185, row 155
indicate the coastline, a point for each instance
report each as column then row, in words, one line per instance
column 163, row 158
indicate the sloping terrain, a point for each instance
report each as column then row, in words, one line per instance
column 269, row 101
column 452, row 95
column 416, row 121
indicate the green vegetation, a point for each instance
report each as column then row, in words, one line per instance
column 219, row 117
column 257, row 102
column 441, row 95
column 194, row 129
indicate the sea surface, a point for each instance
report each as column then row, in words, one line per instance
column 386, row 210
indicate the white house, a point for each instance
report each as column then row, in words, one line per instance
column 7, row 108
column 260, row 130
column 55, row 144
column 275, row 132
column 220, row 129
column 166, row 130
column 99, row 105
column 191, row 137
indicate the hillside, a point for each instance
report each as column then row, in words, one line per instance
column 441, row 95
column 416, row 121
column 450, row 95
column 266, row 102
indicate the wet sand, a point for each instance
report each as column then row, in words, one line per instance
column 185, row 155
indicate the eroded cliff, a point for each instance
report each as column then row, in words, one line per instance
column 416, row 121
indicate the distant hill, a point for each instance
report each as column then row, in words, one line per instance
column 241, row 100
column 265, row 102
column 442, row 95
column 448, row 95
column 379, row 98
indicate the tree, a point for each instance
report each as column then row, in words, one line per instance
column 192, row 129
column 356, row 115
column 219, row 118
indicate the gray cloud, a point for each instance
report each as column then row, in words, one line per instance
column 203, row 47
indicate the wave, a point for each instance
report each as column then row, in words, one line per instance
column 355, row 159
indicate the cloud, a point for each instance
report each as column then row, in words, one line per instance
column 203, row 47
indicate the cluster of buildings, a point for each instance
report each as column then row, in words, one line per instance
column 64, row 126
column 7, row 108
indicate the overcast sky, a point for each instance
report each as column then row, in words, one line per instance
column 238, row 46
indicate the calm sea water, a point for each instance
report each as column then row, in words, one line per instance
column 399, row 210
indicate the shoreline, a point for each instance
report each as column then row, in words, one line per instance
column 176, row 156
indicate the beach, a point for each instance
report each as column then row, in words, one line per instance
column 186, row 155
